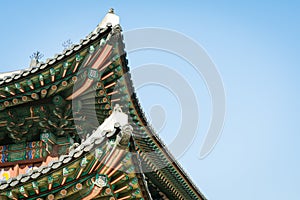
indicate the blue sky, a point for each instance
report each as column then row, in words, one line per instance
column 255, row 46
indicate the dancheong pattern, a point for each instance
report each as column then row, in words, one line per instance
column 72, row 128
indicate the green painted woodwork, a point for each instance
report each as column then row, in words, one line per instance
column 36, row 105
column 22, row 151
column 78, row 57
column 91, row 49
column 40, row 188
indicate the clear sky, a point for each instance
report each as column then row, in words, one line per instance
column 255, row 46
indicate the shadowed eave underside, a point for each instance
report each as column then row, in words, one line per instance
column 66, row 73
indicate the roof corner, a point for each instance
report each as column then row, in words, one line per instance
column 110, row 19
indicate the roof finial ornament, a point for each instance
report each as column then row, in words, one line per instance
column 35, row 58
column 110, row 19
column 111, row 10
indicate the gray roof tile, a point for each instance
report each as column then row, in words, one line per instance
column 25, row 178
column 14, row 183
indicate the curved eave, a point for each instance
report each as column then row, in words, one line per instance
column 186, row 183
column 82, row 166
column 53, row 170
column 17, row 88
column 50, row 62
column 177, row 179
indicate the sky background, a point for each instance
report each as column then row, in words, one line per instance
column 255, row 46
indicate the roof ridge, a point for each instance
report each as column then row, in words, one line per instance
column 110, row 20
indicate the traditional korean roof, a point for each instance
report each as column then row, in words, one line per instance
column 63, row 101
column 102, row 161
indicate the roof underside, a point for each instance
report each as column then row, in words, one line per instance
column 71, row 94
column 104, row 162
